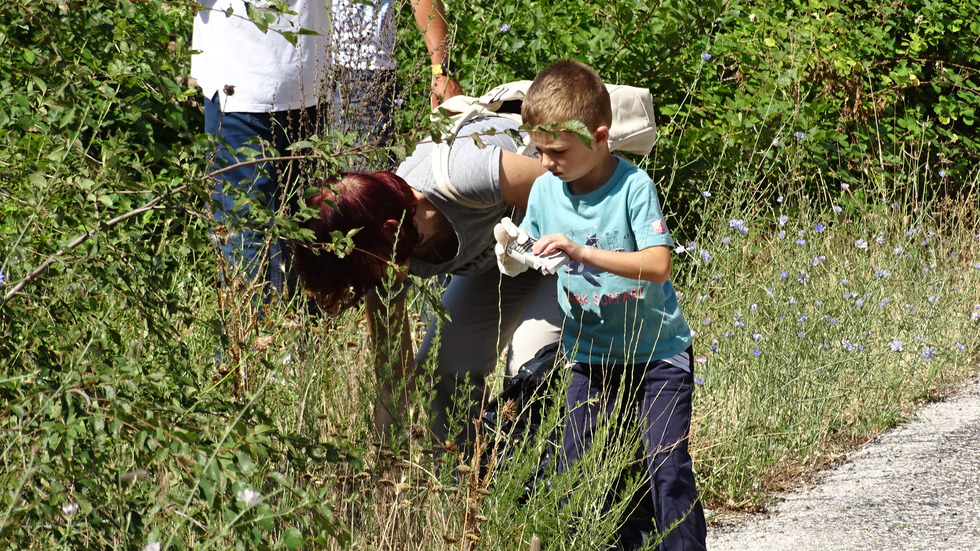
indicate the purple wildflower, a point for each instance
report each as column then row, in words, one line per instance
column 738, row 224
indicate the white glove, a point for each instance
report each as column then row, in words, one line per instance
column 506, row 233
column 513, row 250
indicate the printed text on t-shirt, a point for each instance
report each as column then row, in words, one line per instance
column 600, row 299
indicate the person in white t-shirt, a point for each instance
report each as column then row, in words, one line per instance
column 272, row 87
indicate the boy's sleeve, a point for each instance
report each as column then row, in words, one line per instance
column 647, row 218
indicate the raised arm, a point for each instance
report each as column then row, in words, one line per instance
column 430, row 16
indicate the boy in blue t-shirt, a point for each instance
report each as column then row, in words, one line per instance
column 622, row 324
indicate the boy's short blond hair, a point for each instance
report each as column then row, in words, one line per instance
column 564, row 91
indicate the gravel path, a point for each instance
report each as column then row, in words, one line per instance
column 916, row 487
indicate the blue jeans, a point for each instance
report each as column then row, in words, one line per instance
column 358, row 104
column 244, row 239
column 660, row 399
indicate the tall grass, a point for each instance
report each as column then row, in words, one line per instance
column 146, row 402
column 820, row 322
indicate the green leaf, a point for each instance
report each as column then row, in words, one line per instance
column 293, row 539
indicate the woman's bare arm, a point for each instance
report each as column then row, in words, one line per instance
column 517, row 173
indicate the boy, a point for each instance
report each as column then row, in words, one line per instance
column 622, row 321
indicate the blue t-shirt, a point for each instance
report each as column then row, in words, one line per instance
column 608, row 317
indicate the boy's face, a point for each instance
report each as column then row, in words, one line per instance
column 570, row 160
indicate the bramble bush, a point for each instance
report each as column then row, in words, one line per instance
column 817, row 160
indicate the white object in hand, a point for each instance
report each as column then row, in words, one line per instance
column 514, row 251
column 506, row 233
column 521, row 250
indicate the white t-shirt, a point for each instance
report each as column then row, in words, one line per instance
column 269, row 73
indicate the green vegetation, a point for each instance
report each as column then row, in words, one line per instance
column 818, row 160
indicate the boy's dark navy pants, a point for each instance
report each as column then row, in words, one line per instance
column 657, row 394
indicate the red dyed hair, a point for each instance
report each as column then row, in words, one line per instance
column 356, row 200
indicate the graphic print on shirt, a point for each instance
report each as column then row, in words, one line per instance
column 592, row 293
column 580, row 268
column 587, row 272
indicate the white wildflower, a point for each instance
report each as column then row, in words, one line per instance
column 249, row 496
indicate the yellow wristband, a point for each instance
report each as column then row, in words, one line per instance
column 447, row 68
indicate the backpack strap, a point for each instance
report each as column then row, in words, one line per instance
column 463, row 109
column 440, row 162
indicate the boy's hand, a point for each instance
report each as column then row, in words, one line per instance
column 515, row 251
column 558, row 243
